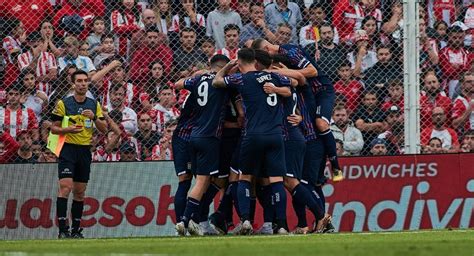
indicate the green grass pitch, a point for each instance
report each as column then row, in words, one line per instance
column 445, row 242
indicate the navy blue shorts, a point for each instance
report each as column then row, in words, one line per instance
column 263, row 152
column 205, row 153
column 181, row 156
column 314, row 160
column 294, row 158
column 227, row 150
column 75, row 162
column 325, row 103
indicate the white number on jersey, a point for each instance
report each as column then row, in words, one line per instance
column 272, row 99
column 202, row 93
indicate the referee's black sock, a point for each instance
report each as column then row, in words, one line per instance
column 76, row 213
column 61, row 213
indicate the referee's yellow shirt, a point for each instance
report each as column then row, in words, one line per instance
column 73, row 109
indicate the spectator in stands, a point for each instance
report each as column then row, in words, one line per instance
column 284, row 11
column 347, row 17
column 386, row 69
column 186, row 17
column 154, row 49
column 208, row 47
column 24, row 154
column 311, row 34
column 117, row 102
column 444, row 10
column 188, row 55
column 62, row 86
column 434, row 146
column 50, row 40
column 95, row 37
column 163, row 151
column 439, row 130
column 232, row 39
column 105, row 51
column 166, row 108
column 162, row 10
column 327, row 52
column 8, row 147
column 369, row 118
column 30, row 12
column 361, row 58
column 344, row 130
column 339, row 148
column 23, row 118
column 84, row 48
column 36, row 148
column 394, row 25
column 32, row 98
column 124, row 23
column 468, row 140
column 37, row 58
column 148, row 20
column 428, row 49
column 395, row 95
column 454, row 59
column 394, row 135
column 74, row 18
column 12, row 48
column 128, row 152
column 378, row 147
column 369, row 24
column 432, row 97
column 257, row 28
column 149, row 96
column 71, row 56
column 348, row 86
column 441, row 34
column 218, row 19
column 283, row 34
column 145, row 136
column 47, row 156
column 463, row 106
column 243, row 8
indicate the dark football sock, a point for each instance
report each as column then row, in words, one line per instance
column 243, row 194
column 206, row 201
column 330, row 147
column 192, row 211
column 303, row 196
column 76, row 214
column 180, row 198
column 61, row 213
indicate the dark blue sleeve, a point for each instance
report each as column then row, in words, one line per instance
column 191, row 83
column 282, row 80
column 234, row 81
column 297, row 58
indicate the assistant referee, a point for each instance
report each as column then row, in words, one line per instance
column 75, row 157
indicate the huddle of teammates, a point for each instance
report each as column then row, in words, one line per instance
column 254, row 127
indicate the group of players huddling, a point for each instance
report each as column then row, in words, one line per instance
column 254, row 127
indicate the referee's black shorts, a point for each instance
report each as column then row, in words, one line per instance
column 75, row 162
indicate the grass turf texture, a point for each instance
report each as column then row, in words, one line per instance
column 444, row 243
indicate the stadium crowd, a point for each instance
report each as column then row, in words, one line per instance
column 133, row 51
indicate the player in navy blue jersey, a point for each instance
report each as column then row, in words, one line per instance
column 322, row 89
column 295, row 149
column 204, row 142
column 262, row 143
column 182, row 156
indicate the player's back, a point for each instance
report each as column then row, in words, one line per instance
column 290, row 105
column 263, row 112
column 186, row 118
column 209, row 105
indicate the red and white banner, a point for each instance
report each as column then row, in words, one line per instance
column 136, row 199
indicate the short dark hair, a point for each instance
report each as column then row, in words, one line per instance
column 231, row 27
column 107, row 35
column 78, row 72
column 207, row 39
column 246, row 55
column 151, row 29
column 16, row 86
column 257, row 43
column 344, row 63
column 395, row 82
column 116, row 87
column 186, row 29
column 263, row 58
column 327, row 24
column 255, row 3
column 315, row 6
column 218, row 58
column 435, row 138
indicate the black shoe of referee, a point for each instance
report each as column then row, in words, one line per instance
column 77, row 234
column 64, row 234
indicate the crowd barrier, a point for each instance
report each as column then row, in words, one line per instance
column 392, row 193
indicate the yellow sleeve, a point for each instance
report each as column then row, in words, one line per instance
column 59, row 110
column 99, row 111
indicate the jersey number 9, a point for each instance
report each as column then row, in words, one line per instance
column 202, row 93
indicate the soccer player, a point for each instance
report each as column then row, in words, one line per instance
column 205, row 140
column 295, row 149
column 322, row 89
column 262, row 143
column 74, row 163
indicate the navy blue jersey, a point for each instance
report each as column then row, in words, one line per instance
column 186, row 118
column 290, row 105
column 263, row 112
column 300, row 59
column 307, row 107
column 209, row 108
